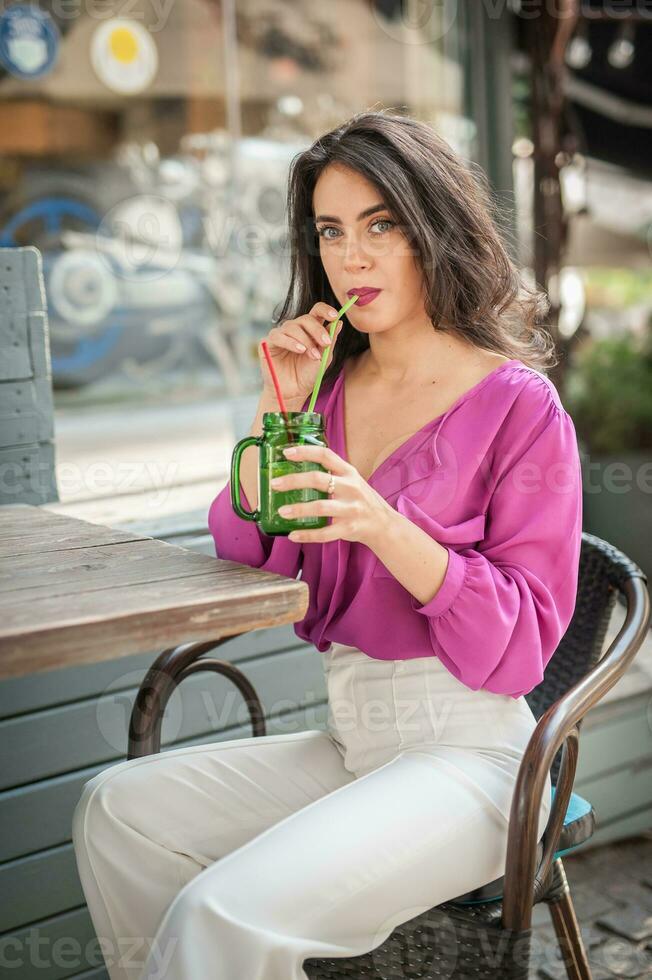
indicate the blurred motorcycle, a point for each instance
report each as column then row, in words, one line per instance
column 144, row 262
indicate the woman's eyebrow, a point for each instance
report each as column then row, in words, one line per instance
column 363, row 214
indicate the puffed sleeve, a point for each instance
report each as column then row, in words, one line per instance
column 502, row 609
column 239, row 540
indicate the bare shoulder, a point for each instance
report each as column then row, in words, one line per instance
column 487, row 360
column 475, row 366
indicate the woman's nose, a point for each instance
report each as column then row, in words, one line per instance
column 355, row 256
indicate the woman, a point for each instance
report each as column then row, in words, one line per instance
column 438, row 593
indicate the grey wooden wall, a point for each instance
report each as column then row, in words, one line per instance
column 26, row 412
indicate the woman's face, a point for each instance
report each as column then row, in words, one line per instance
column 360, row 249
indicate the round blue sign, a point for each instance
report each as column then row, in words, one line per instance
column 29, row 41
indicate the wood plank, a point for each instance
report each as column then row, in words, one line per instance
column 37, row 542
column 39, row 886
column 113, row 599
column 104, row 624
column 618, row 793
column 33, row 530
column 621, row 739
column 56, row 948
column 24, row 831
column 626, row 825
column 203, row 705
column 50, row 689
column 31, row 578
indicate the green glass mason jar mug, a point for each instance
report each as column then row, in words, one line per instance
column 301, row 427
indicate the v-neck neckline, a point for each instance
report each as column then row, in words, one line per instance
column 462, row 398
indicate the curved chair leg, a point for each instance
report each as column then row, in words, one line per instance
column 161, row 680
column 567, row 928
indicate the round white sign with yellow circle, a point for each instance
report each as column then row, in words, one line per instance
column 124, row 55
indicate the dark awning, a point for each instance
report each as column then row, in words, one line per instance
column 608, row 83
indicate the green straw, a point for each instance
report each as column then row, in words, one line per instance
column 324, row 356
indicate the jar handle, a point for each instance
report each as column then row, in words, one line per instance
column 246, row 515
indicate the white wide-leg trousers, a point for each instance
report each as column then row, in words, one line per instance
column 237, row 860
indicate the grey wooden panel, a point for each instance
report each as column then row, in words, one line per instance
column 19, row 695
column 625, row 825
column 615, row 742
column 49, row 689
column 22, row 827
column 38, row 886
column 23, row 417
column 26, row 405
column 28, row 474
column 24, row 338
column 45, row 883
column 60, row 947
column 618, row 793
column 73, row 736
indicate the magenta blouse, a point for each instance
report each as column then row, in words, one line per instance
column 496, row 480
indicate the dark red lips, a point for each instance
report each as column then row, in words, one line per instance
column 366, row 295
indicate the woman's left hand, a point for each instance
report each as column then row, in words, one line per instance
column 357, row 511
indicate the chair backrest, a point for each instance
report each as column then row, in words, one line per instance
column 27, row 458
column 603, row 571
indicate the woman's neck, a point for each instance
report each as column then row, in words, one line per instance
column 414, row 357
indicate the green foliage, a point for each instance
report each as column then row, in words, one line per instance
column 616, row 288
column 609, row 394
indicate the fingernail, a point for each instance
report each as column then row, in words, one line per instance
column 332, row 314
column 315, row 353
column 290, row 450
column 325, row 338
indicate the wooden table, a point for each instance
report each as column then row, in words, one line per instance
column 72, row 593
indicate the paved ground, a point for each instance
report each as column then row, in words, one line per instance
column 612, row 893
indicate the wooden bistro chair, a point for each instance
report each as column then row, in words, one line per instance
column 487, row 932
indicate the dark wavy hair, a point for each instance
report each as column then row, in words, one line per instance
column 443, row 206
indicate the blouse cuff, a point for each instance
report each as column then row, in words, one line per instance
column 449, row 589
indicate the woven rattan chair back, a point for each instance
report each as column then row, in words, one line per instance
column 602, row 571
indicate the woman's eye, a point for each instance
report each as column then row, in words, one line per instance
column 383, row 221
column 379, row 221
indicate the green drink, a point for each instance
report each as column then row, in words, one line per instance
column 301, row 428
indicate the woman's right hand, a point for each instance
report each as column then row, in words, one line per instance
column 297, row 369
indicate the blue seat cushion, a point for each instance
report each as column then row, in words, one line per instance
column 579, row 825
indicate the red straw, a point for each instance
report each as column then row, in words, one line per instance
column 277, row 386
